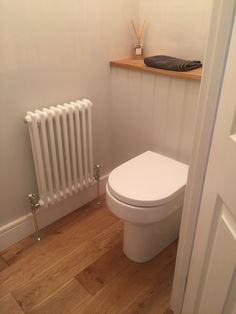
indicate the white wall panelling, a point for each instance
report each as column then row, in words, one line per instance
column 152, row 112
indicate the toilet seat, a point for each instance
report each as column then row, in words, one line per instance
column 148, row 180
column 142, row 215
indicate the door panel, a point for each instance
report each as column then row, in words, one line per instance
column 213, row 262
column 221, row 266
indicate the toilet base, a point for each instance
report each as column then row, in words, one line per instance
column 142, row 242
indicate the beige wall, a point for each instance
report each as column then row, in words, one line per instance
column 56, row 51
column 52, row 52
column 177, row 27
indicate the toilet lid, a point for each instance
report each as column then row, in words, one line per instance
column 148, row 180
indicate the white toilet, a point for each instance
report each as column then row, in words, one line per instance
column 147, row 192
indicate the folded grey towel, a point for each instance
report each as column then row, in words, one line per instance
column 171, row 63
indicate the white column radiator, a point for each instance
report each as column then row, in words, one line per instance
column 61, row 140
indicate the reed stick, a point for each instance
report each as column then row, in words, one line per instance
column 139, row 31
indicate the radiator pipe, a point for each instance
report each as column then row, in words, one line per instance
column 97, row 178
column 34, row 204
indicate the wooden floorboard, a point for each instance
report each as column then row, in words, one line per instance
column 71, row 295
column 153, row 300
column 102, row 271
column 40, row 287
column 3, row 263
column 137, row 279
column 9, row 305
column 79, row 267
column 50, row 250
column 24, row 247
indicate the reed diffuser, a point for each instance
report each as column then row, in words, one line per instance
column 139, row 32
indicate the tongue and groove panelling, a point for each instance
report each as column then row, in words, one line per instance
column 152, row 112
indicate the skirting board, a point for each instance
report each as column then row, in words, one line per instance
column 23, row 226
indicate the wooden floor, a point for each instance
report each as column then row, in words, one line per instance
column 79, row 267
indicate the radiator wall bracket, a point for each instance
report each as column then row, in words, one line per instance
column 34, row 204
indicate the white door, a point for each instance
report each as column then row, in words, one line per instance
column 211, row 285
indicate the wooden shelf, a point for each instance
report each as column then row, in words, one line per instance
column 138, row 65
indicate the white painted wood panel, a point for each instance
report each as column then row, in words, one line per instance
column 174, row 118
column 146, row 101
column 160, row 111
column 188, row 120
column 221, row 269
column 151, row 112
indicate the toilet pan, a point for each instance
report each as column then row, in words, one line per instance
column 147, row 193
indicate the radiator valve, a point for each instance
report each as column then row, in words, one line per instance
column 34, row 204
